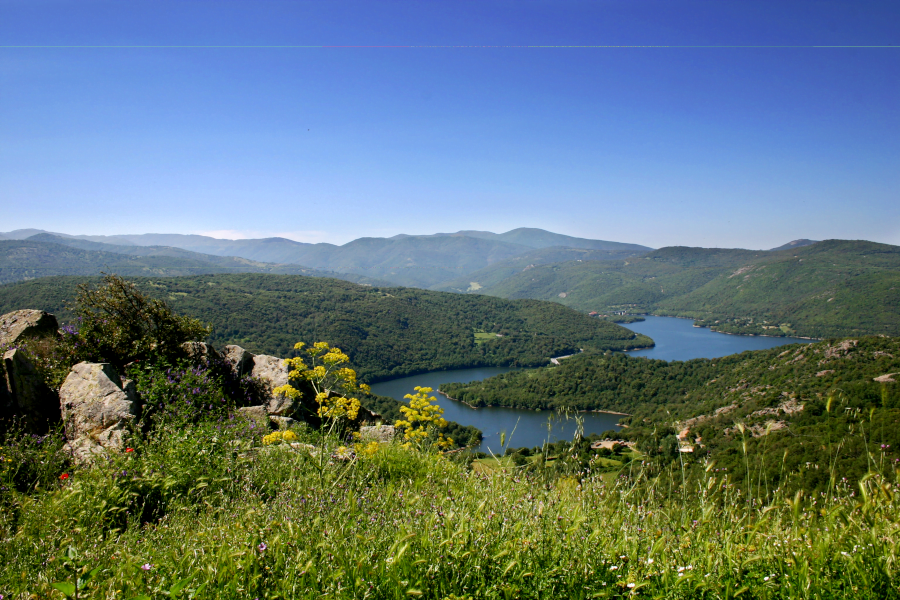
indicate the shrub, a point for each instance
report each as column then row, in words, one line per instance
column 119, row 324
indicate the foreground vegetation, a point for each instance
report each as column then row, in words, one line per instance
column 388, row 332
column 207, row 511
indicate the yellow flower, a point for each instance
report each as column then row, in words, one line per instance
column 367, row 450
column 423, row 419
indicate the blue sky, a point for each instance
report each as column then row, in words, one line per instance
column 418, row 117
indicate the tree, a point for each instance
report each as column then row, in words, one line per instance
column 119, row 324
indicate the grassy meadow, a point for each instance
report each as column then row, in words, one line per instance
column 207, row 511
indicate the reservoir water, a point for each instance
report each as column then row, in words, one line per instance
column 676, row 339
column 522, row 427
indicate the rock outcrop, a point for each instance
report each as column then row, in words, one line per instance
column 240, row 360
column 25, row 394
column 255, row 413
column 273, row 373
column 378, row 433
column 98, row 407
column 22, row 324
column 201, row 351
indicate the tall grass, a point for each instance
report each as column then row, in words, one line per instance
column 207, row 512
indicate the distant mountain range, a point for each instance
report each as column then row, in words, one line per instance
column 46, row 255
column 835, row 287
column 416, row 261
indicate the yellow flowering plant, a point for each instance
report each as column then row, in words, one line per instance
column 423, row 420
column 367, row 450
column 334, row 385
column 332, row 382
column 279, row 436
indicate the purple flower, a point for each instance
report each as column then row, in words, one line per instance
column 262, row 547
column 146, row 566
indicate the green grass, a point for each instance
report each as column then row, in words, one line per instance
column 482, row 337
column 235, row 520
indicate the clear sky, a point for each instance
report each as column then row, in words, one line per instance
column 332, row 120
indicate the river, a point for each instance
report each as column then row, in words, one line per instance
column 676, row 339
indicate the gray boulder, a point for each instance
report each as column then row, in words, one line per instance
column 241, row 361
column 21, row 324
column 255, row 413
column 200, row 351
column 272, row 371
column 378, row 433
column 281, row 422
column 24, row 392
column 98, row 407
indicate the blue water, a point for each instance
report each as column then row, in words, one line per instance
column 676, row 339
column 521, row 427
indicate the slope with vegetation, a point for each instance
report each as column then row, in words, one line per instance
column 500, row 271
column 412, row 260
column 388, row 332
column 796, row 405
column 45, row 255
column 830, row 288
column 203, row 505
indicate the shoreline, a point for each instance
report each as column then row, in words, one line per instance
column 605, row 412
column 710, row 327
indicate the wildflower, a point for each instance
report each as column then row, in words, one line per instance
column 146, row 566
column 262, row 547
column 127, row 450
column 64, row 476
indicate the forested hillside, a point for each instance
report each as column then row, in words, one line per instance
column 540, row 238
column 46, row 255
column 498, row 272
column 388, row 332
column 830, row 288
column 412, row 260
column 819, row 403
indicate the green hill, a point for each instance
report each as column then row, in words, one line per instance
column 410, row 260
column 785, row 389
column 388, row 332
column 830, row 288
column 540, row 238
column 495, row 274
column 22, row 260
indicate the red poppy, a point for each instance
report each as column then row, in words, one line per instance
column 64, row 476
column 129, row 449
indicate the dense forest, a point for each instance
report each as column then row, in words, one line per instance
column 817, row 404
column 831, row 288
column 46, row 255
column 387, row 332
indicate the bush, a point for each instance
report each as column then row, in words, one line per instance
column 119, row 324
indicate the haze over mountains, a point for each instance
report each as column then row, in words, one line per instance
column 418, row 261
column 808, row 288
